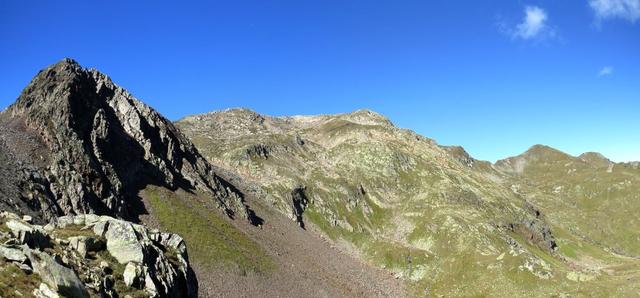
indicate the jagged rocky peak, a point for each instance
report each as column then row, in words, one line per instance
column 102, row 145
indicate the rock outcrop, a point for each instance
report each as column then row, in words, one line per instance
column 81, row 144
column 83, row 255
column 299, row 202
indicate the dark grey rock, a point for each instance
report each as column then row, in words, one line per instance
column 81, row 144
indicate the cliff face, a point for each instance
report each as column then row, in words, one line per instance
column 85, row 145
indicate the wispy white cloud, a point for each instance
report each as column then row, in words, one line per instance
column 534, row 25
column 610, row 9
column 605, row 71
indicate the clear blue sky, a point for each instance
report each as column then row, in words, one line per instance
column 495, row 77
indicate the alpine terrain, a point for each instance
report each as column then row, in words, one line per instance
column 539, row 224
column 101, row 196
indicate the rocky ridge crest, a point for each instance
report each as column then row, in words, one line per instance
column 96, row 146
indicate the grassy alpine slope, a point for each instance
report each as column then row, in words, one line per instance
column 212, row 241
column 440, row 220
column 596, row 199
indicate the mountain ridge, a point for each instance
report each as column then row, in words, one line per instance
column 381, row 119
column 110, row 137
column 390, row 193
column 437, row 219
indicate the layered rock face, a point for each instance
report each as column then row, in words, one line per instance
column 84, row 145
column 83, row 255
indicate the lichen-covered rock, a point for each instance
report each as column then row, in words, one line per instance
column 132, row 274
column 12, row 254
column 45, row 292
column 144, row 252
column 63, row 279
column 27, row 234
column 84, row 244
column 78, row 264
column 123, row 243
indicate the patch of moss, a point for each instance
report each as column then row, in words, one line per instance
column 72, row 231
column 172, row 256
column 568, row 250
column 3, row 227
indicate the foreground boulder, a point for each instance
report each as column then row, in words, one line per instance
column 89, row 255
column 27, row 234
column 148, row 251
column 62, row 279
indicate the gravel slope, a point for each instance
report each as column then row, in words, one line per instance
column 307, row 264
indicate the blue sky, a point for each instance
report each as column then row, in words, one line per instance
column 495, row 77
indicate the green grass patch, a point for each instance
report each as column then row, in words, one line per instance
column 13, row 281
column 212, row 241
column 568, row 250
column 73, row 230
column 319, row 220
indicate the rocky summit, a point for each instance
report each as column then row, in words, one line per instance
column 75, row 143
column 101, row 196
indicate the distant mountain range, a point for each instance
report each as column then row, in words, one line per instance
column 327, row 205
